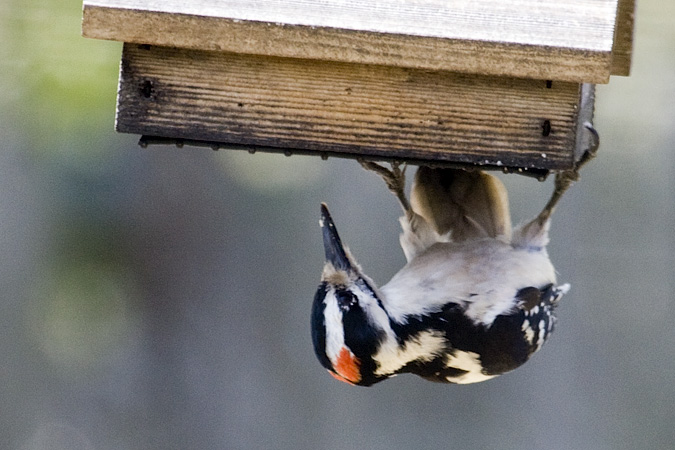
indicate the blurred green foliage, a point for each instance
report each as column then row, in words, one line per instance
column 58, row 101
column 81, row 314
column 56, row 85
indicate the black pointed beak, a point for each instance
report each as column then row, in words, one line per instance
column 335, row 252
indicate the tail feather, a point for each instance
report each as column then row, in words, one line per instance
column 468, row 205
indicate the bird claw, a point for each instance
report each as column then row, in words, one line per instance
column 394, row 179
column 590, row 152
column 565, row 178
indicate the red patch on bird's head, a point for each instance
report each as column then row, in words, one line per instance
column 347, row 367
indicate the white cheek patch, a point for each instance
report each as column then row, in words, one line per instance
column 424, row 347
column 334, row 330
column 470, row 363
column 377, row 316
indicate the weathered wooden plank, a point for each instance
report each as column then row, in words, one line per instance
column 347, row 108
column 585, row 138
column 623, row 38
column 567, row 40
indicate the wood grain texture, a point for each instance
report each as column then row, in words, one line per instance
column 569, row 40
column 346, row 108
column 623, row 38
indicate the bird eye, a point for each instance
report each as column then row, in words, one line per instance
column 345, row 299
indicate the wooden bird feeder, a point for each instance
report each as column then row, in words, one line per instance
column 496, row 83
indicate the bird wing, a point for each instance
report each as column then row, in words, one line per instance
column 464, row 205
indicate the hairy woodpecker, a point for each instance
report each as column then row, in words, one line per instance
column 475, row 300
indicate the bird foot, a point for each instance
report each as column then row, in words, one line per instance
column 394, row 179
column 565, row 178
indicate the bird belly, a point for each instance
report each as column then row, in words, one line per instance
column 481, row 276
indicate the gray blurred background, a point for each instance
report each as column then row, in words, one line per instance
column 159, row 298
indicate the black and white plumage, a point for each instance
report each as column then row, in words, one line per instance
column 476, row 299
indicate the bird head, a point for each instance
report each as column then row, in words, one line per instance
column 349, row 322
